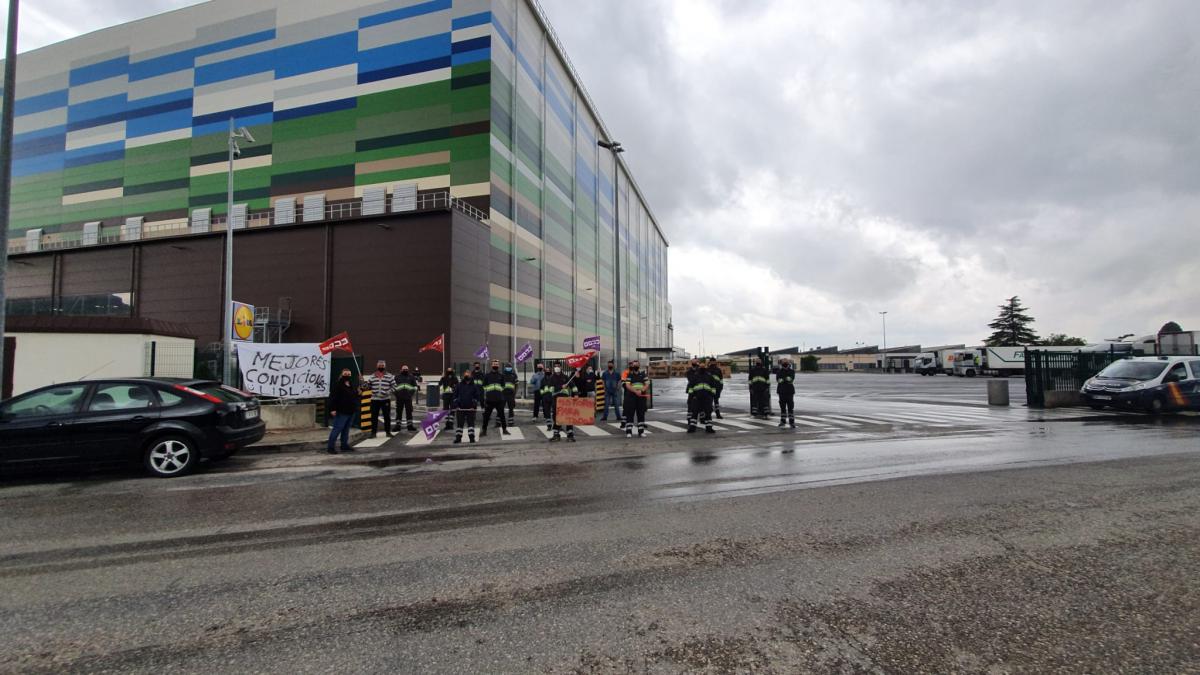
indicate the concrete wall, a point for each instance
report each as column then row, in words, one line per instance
column 50, row 358
column 301, row 416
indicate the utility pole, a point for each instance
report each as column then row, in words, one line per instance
column 227, row 329
column 883, row 356
column 616, row 149
column 6, row 134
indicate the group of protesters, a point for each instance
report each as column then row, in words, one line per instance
column 493, row 391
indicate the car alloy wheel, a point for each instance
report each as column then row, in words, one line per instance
column 170, row 456
column 1156, row 405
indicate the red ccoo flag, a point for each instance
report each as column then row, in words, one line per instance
column 337, row 343
column 438, row 345
column 579, row 360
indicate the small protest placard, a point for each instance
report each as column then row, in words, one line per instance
column 576, row 411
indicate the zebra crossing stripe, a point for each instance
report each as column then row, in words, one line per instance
column 375, row 442
column 665, row 426
column 592, row 430
column 826, row 421
column 913, row 419
column 515, row 434
column 738, row 424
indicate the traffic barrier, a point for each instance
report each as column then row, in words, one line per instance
column 600, row 395
column 365, row 420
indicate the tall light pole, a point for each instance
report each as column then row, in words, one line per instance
column 883, row 356
column 615, row 148
column 6, row 134
column 227, row 329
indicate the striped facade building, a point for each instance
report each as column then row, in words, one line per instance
column 375, row 124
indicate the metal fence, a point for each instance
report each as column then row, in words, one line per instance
column 1061, row 371
column 165, row 359
column 111, row 234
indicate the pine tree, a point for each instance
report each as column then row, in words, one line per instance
column 1012, row 327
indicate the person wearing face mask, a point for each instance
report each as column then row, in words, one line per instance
column 637, row 390
column 446, row 387
column 612, row 391
column 587, row 384
column 785, row 387
column 510, row 393
column 715, row 370
column 383, row 385
column 493, row 399
column 343, row 403
column 406, row 388
column 693, row 379
column 703, row 390
column 466, row 399
column 561, row 385
column 535, row 384
column 547, row 392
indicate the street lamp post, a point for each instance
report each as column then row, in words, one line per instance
column 615, row 148
column 883, row 356
column 6, row 134
column 227, row 329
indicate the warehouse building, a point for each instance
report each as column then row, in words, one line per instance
column 417, row 168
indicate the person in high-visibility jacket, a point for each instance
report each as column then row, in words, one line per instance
column 760, row 386
column 637, row 392
column 714, row 369
column 493, row 399
column 446, row 387
column 704, row 387
column 693, row 377
column 561, row 385
column 406, row 388
column 510, row 393
column 785, row 388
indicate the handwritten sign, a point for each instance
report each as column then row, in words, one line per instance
column 576, row 411
column 297, row 370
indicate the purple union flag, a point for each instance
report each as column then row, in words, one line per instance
column 592, row 343
column 432, row 423
column 523, row 355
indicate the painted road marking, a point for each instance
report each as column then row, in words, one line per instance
column 592, row 430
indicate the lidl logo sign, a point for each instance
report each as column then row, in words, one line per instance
column 243, row 322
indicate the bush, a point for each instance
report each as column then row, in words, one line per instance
column 808, row 364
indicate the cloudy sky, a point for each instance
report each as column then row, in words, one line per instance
column 925, row 158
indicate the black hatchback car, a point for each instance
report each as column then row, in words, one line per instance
column 168, row 425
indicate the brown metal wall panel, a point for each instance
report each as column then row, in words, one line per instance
column 269, row 265
column 181, row 283
column 391, row 287
column 108, row 270
column 30, row 277
column 469, row 292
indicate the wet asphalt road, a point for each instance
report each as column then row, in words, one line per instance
column 1030, row 541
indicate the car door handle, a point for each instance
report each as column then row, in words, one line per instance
column 140, row 418
column 54, row 425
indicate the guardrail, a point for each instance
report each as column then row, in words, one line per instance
column 112, row 234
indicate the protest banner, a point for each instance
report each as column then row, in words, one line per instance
column 576, row 411
column 284, row 370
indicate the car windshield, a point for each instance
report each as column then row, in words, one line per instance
column 1133, row 370
column 227, row 394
